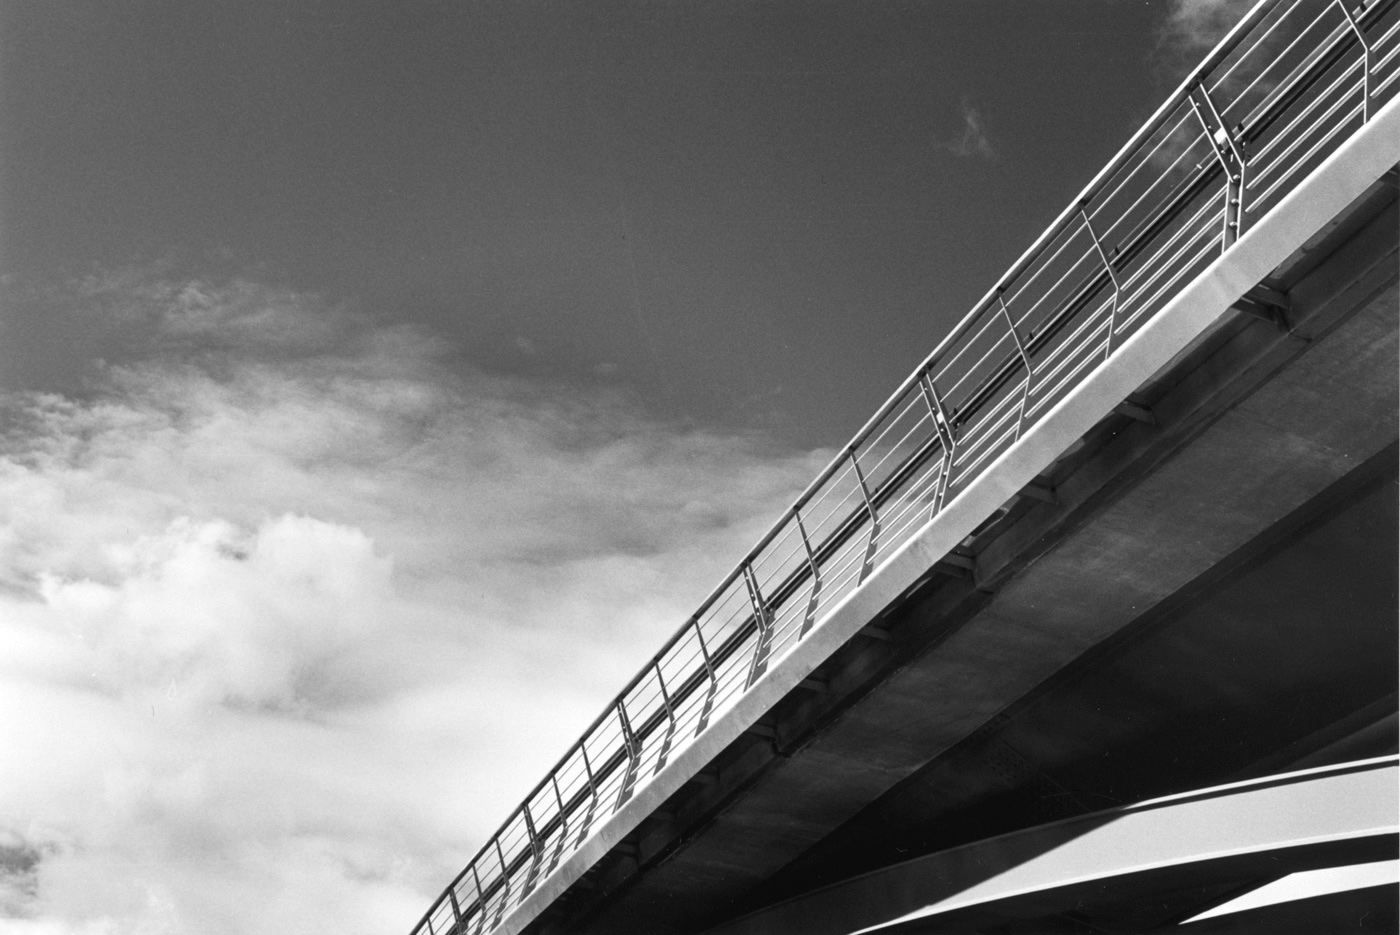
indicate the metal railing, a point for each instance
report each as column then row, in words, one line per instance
column 1289, row 83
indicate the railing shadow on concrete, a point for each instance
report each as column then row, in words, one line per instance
column 1287, row 86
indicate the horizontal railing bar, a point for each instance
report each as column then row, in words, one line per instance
column 1285, row 12
column 1289, row 90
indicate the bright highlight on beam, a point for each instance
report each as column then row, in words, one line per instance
column 1309, row 883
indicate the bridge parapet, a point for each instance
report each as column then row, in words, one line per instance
column 1281, row 94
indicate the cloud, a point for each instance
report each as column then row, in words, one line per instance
column 973, row 141
column 238, row 314
column 293, row 609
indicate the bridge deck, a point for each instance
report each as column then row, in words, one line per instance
column 1123, row 305
column 1150, row 521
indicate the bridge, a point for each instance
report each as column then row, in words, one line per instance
column 1092, row 626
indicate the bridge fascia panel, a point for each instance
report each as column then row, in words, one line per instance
column 1258, row 818
column 1329, row 189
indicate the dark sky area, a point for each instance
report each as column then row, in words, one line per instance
column 750, row 215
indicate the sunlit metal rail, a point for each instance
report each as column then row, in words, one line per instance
column 1289, row 84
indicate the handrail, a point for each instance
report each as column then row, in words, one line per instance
column 972, row 395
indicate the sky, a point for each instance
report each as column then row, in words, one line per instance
column 381, row 384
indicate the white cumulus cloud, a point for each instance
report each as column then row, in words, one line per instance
column 293, row 610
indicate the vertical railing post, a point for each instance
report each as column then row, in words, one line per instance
column 945, row 438
column 868, row 562
column 1223, row 142
column 563, row 826
column 456, row 911
column 670, row 720
column 505, row 882
column 592, row 794
column 480, row 901
column 764, row 622
column 709, row 705
column 1366, row 55
column 634, row 756
column 1112, row 278
column 536, row 856
column 1025, row 360
column 811, row 613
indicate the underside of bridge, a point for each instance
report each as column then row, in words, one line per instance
column 1201, row 590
